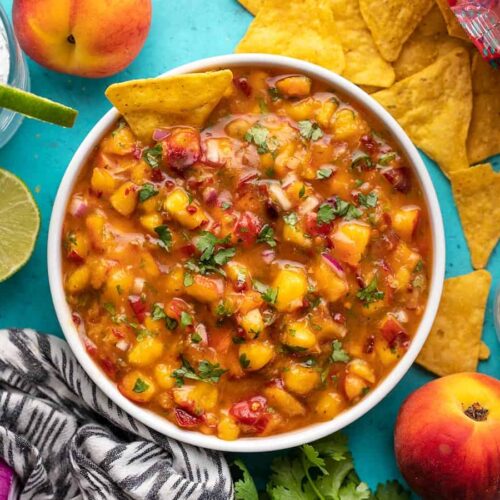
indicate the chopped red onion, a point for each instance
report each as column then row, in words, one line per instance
column 212, row 153
column 159, row 134
column 268, row 256
column 289, row 179
column 309, row 205
column 138, row 285
column 137, row 153
column 210, row 195
column 333, row 263
column 280, row 196
column 201, row 330
column 123, row 345
column 78, row 206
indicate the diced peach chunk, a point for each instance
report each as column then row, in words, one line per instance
column 350, row 241
column 301, row 379
column 294, row 86
column 330, row 283
column 405, row 220
column 102, row 181
column 292, row 234
column 189, row 214
column 299, row 336
column 255, row 355
column 78, row 280
column 291, row 284
column 145, row 352
column 283, row 401
column 329, row 405
column 137, row 386
column 205, row 289
column 124, row 199
column 120, row 142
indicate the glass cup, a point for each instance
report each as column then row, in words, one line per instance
column 18, row 76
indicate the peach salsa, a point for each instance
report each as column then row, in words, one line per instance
column 253, row 275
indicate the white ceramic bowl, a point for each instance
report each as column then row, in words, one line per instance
column 311, row 432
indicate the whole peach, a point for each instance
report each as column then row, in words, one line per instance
column 447, row 438
column 91, row 38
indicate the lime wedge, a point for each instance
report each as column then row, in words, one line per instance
column 35, row 106
column 19, row 224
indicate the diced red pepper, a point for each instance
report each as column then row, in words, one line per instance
column 315, row 229
column 109, row 367
column 248, row 227
column 182, row 148
column 394, row 333
column 74, row 256
column 185, row 419
column 138, row 306
column 243, row 85
column 399, row 178
column 252, row 412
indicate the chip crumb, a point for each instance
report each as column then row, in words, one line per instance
column 454, row 343
column 484, row 352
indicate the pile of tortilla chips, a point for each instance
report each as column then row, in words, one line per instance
column 415, row 60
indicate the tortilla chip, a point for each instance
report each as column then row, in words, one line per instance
column 304, row 29
column 434, row 107
column 484, row 131
column 484, row 352
column 429, row 42
column 452, row 24
column 392, row 22
column 477, row 196
column 171, row 100
column 363, row 63
column 252, row 6
column 454, row 342
column 369, row 89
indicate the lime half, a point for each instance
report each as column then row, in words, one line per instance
column 34, row 106
column 19, row 224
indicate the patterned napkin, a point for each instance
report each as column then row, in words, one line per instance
column 66, row 440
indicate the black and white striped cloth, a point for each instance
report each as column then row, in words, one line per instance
column 66, row 440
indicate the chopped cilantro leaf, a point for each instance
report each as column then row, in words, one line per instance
column 244, row 487
column 326, row 214
column 338, row 354
column 140, row 386
column 263, row 107
column 225, row 205
column 270, row 295
column 244, row 361
column 152, row 156
column 370, row 293
column 188, row 280
column 171, row 323
column 224, row 256
column 158, row 312
column 361, row 160
column 368, row 200
column 210, row 372
column 147, row 191
column 302, row 191
column 324, row 173
column 310, row 131
column 419, row 267
column 258, row 135
column 266, row 235
column 274, row 93
column 186, row 319
column 196, row 338
column 291, row 219
column 165, row 236
column 386, row 158
column 223, row 310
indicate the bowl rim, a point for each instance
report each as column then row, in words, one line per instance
column 298, row 436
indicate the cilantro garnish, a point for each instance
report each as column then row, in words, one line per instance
column 259, row 136
column 152, row 156
column 274, row 93
column 338, row 354
column 263, row 107
column 361, row 160
column 171, row 323
column 208, row 372
column 196, row 338
column 324, row 173
column 210, row 259
column 158, row 312
column 309, row 130
column 317, row 471
column 302, row 191
column 186, row 319
column 419, row 266
column 225, row 205
column 386, row 158
column 291, row 219
column 266, row 235
column 326, row 214
column 147, row 191
column 223, row 310
column 188, row 280
column 368, row 200
column 370, row 293
column 244, row 361
column 165, row 237
column 268, row 293
column 140, row 386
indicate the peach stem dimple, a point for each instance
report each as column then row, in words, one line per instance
column 477, row 412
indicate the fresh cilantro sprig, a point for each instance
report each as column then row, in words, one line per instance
column 207, row 372
column 309, row 130
column 323, row 470
column 339, row 355
column 268, row 293
column 165, row 237
column 266, row 235
column 212, row 257
column 328, row 212
column 370, row 293
column 152, row 156
column 368, row 200
column 260, row 137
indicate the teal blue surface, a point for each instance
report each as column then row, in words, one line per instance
column 182, row 32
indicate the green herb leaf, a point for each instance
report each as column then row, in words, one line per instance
column 270, row 295
column 263, row 106
column 158, row 312
column 152, row 156
column 171, row 323
column 207, row 372
column 326, row 214
column 196, row 338
column 386, row 158
column 419, row 267
column 225, row 205
column 244, row 488
column 338, row 354
column 244, row 361
column 188, row 280
column 370, row 293
column 291, row 219
column 368, row 200
column 186, row 319
column 274, row 93
column 266, row 235
column 165, row 236
column 360, row 160
column 140, row 386
column 302, row 191
column 314, row 458
column 222, row 257
column 309, row 130
column 258, row 135
column 147, row 191
column 324, row 173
